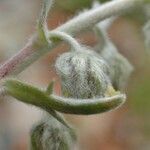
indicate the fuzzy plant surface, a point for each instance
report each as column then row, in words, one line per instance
column 50, row 134
column 121, row 68
column 92, row 82
column 83, row 74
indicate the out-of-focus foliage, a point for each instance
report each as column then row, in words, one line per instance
column 146, row 31
column 74, row 5
column 140, row 104
column 140, row 14
column 140, row 97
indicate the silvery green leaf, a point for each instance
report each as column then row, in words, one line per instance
column 32, row 95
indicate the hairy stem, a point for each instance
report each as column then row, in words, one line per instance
column 75, row 46
column 90, row 18
column 35, row 49
column 26, row 56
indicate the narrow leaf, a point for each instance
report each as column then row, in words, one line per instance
column 32, row 95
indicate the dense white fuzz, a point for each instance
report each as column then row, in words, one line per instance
column 50, row 134
column 120, row 67
column 83, row 74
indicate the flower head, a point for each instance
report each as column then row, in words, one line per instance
column 83, row 74
column 50, row 134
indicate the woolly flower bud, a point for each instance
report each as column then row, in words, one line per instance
column 51, row 135
column 83, row 74
column 120, row 67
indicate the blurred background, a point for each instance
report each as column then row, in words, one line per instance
column 127, row 128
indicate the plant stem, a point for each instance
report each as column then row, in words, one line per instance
column 34, row 49
column 75, row 46
column 90, row 18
